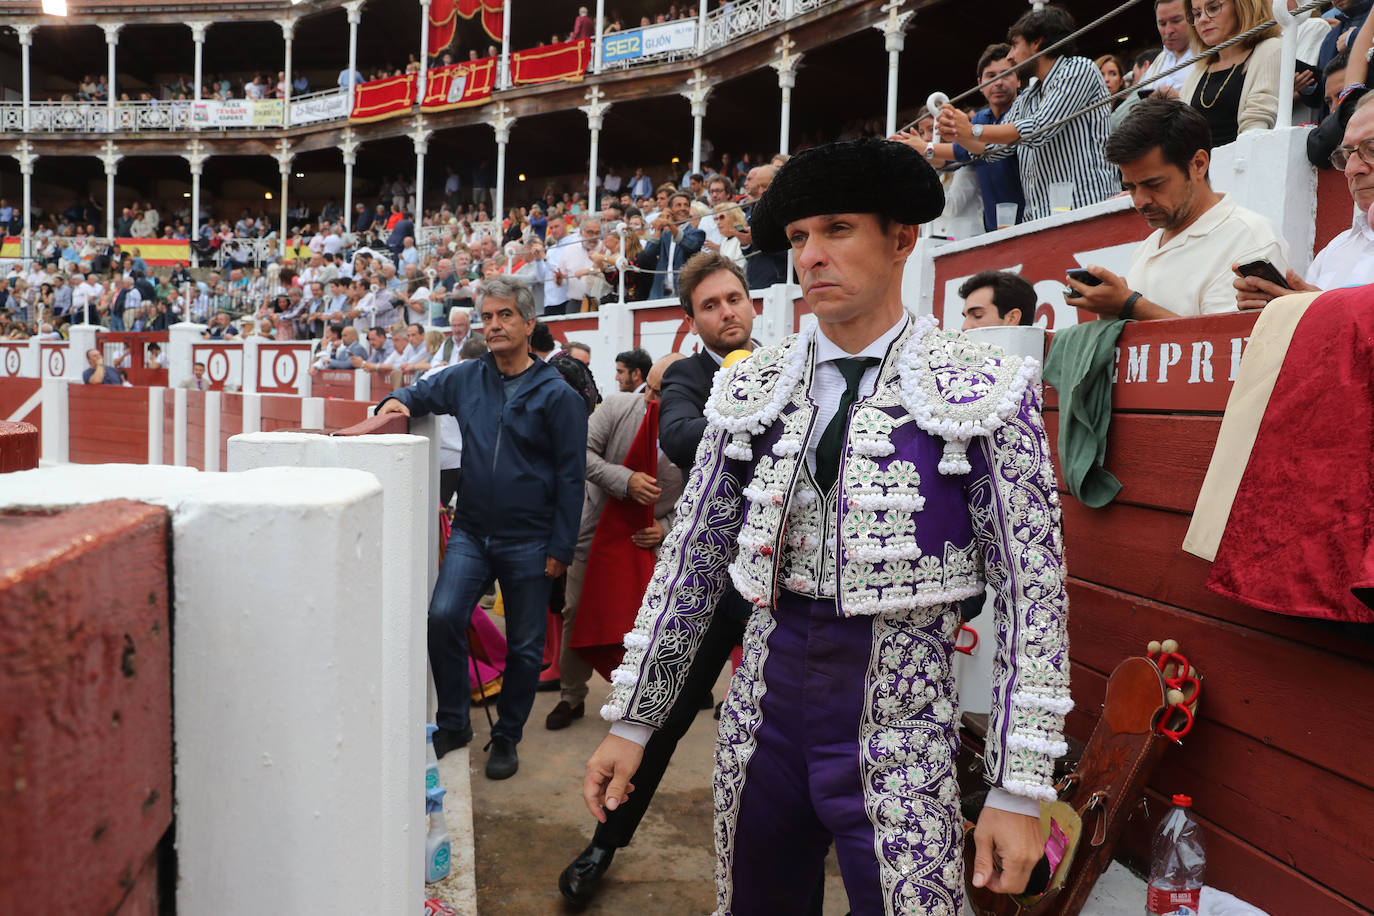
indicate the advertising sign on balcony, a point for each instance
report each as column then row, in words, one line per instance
column 648, row 41
column 238, row 113
column 323, row 107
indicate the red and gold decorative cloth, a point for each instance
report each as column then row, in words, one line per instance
column 565, row 61
column 1300, row 536
column 617, row 570
column 459, row 85
column 443, row 20
column 384, row 98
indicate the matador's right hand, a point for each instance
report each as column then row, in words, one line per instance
column 607, row 785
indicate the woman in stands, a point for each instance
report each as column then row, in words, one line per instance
column 1237, row 89
column 1112, row 70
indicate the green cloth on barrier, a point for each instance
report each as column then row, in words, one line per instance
column 1079, row 366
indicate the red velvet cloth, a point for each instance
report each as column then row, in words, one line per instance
column 443, row 20
column 564, row 61
column 1300, row 538
column 617, row 570
column 384, row 98
column 459, row 85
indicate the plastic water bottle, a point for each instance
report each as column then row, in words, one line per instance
column 1177, row 863
column 438, row 848
column 431, row 759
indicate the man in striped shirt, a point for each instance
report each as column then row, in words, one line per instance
column 1049, row 149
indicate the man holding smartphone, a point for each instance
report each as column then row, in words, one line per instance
column 1183, row 269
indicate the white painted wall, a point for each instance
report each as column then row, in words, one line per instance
column 282, row 799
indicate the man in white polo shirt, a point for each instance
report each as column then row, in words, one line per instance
column 1183, row 269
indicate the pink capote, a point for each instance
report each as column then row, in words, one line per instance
column 1300, row 537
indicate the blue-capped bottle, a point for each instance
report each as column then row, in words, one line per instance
column 431, row 759
column 438, row 848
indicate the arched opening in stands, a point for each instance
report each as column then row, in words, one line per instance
column 547, row 149
column 648, row 134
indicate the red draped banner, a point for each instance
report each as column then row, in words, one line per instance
column 443, row 20
column 384, row 98
column 459, row 85
column 566, row 61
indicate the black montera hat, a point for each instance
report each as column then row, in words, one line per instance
column 848, row 176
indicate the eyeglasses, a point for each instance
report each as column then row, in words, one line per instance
column 1210, row 11
column 1340, row 156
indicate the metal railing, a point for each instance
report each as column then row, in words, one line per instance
column 735, row 20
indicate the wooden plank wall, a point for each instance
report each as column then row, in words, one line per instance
column 1278, row 764
column 107, row 423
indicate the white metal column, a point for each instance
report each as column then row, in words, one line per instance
column 424, row 66
column 355, row 16
column 288, row 30
column 786, row 64
column 503, row 78
column 110, row 156
column 595, row 110
column 111, row 42
column 501, row 124
column 283, row 155
column 198, row 30
column 349, row 147
column 27, row 157
column 600, row 28
column 25, row 40
column 420, row 137
column 696, row 93
column 894, row 40
column 195, row 157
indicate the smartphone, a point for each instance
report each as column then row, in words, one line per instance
column 1264, row 271
column 1087, row 278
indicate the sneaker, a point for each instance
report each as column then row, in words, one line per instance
column 503, row 761
column 448, row 739
column 563, row 715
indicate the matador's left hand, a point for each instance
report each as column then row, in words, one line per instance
column 1009, row 845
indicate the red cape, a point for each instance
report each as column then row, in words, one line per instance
column 617, row 570
column 1300, row 537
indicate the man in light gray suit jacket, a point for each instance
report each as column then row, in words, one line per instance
column 610, row 433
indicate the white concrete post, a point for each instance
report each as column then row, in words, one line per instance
column 252, row 415
column 181, row 337
column 501, row 123
column 407, row 514
column 25, row 41
column 54, row 429
column 288, row 29
column 27, row 157
column 198, row 38
column 894, row 40
column 312, row 413
column 110, row 156
column 355, row 16
column 249, row 383
column 786, row 65
column 348, row 145
column 179, row 427
column 696, row 93
column 423, row 76
column 155, row 417
column 600, row 27
column 83, row 337
column 595, row 110
column 419, row 136
column 504, row 81
column 362, row 385
column 195, row 157
column 111, row 42
column 213, row 402
column 283, row 155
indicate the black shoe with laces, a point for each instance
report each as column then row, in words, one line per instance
column 447, row 739
column 580, row 880
column 503, row 761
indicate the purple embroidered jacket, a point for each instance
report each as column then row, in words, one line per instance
column 945, row 485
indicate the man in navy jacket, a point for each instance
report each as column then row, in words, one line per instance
column 519, row 504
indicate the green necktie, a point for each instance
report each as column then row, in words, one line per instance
column 828, row 449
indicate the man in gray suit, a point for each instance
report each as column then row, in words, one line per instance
column 610, row 433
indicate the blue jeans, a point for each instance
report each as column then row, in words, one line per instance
column 116, row 320
column 471, row 564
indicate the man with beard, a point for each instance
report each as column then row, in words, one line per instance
column 1184, row 268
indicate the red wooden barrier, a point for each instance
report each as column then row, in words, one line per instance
column 107, row 423
column 87, row 715
column 1277, row 765
column 18, row 447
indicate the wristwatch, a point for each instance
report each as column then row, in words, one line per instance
column 977, row 131
column 930, row 151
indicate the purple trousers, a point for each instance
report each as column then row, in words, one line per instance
column 840, row 729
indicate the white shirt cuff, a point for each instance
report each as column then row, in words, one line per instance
column 1003, row 800
column 639, row 734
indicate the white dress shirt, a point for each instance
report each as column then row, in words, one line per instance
column 827, row 384
column 1348, row 260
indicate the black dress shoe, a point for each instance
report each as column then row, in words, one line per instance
column 447, row 739
column 580, row 879
column 563, row 715
column 503, row 761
